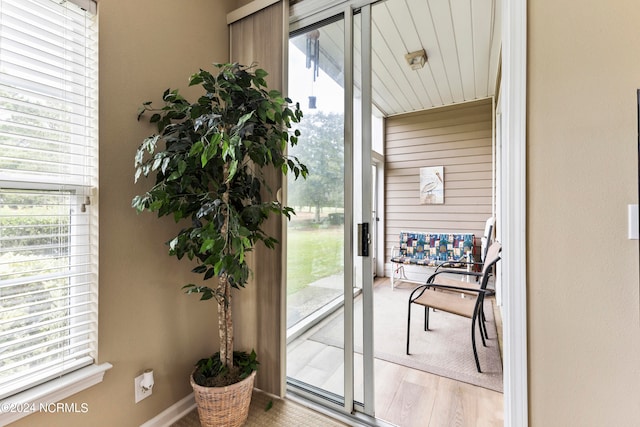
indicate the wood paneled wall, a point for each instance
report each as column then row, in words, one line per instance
column 456, row 137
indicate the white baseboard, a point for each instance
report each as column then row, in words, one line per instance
column 173, row 413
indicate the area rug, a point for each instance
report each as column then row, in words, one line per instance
column 444, row 350
column 268, row 411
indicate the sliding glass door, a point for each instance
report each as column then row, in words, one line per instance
column 329, row 298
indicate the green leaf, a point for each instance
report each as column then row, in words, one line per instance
column 209, row 152
column 195, row 79
column 196, row 148
column 260, row 73
column 262, row 115
column 225, row 149
column 155, row 205
column 244, row 119
column 209, row 274
column 206, row 245
column 174, row 175
column 233, row 167
column 182, row 167
column 218, row 267
column 207, row 294
column 199, row 269
column 271, row 114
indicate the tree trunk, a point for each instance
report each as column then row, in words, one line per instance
column 225, row 322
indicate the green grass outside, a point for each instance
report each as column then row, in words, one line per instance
column 312, row 255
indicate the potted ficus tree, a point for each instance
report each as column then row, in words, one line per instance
column 208, row 159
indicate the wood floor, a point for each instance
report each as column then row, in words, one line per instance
column 404, row 397
column 411, row 398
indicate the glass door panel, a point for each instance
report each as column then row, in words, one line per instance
column 315, row 271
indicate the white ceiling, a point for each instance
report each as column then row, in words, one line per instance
column 461, row 39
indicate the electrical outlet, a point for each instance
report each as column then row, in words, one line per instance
column 141, row 392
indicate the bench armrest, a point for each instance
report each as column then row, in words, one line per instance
column 395, row 251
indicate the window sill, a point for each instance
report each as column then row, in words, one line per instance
column 29, row 401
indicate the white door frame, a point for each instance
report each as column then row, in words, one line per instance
column 513, row 209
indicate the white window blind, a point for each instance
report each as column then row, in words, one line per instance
column 48, row 173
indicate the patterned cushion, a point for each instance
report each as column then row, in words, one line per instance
column 434, row 249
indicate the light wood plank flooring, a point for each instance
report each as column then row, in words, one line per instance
column 411, row 398
column 403, row 396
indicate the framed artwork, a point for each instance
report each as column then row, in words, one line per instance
column 432, row 185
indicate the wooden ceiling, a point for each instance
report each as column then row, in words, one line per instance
column 461, row 39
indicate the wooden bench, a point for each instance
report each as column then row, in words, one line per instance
column 430, row 250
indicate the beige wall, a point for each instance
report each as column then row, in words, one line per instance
column 460, row 139
column 583, row 302
column 145, row 319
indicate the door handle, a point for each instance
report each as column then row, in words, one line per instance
column 364, row 239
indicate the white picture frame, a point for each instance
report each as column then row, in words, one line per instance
column 432, row 185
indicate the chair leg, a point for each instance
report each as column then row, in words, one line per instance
column 393, row 276
column 478, row 315
column 482, row 334
column 408, row 325
column 426, row 318
column 473, row 342
column 483, row 323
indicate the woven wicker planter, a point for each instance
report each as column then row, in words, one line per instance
column 224, row 406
